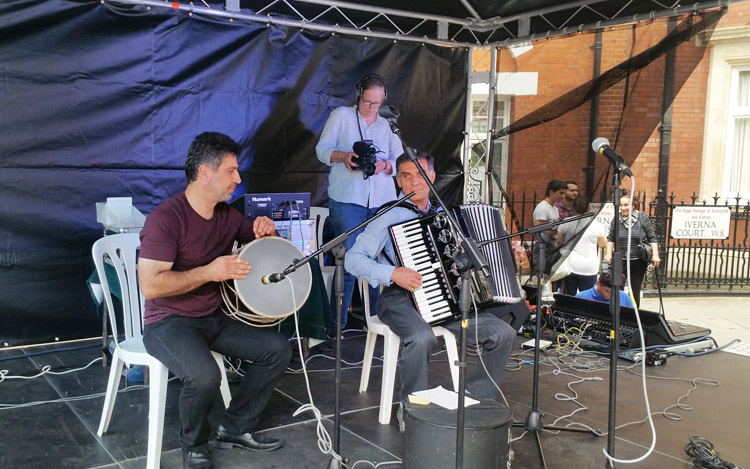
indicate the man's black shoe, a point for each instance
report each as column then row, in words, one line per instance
column 226, row 440
column 196, row 459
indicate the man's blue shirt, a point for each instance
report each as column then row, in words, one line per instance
column 341, row 130
column 362, row 259
column 592, row 294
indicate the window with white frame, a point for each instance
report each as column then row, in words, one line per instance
column 725, row 164
column 737, row 156
column 479, row 121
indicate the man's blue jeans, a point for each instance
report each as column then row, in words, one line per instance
column 344, row 218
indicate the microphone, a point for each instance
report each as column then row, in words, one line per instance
column 363, row 148
column 601, row 145
column 273, row 278
column 388, row 113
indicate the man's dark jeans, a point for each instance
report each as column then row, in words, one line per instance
column 184, row 346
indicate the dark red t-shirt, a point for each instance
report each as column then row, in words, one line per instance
column 174, row 232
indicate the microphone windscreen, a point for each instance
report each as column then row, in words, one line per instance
column 598, row 143
column 361, row 148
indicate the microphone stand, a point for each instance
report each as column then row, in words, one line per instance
column 336, row 246
column 615, row 268
column 533, row 423
column 467, row 256
column 601, row 145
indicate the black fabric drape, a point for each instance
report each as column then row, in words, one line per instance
column 100, row 101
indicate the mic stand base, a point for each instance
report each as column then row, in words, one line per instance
column 533, row 422
column 335, row 464
column 534, row 426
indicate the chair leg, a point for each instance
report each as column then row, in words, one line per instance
column 364, row 380
column 390, row 362
column 157, row 397
column 115, row 373
column 452, row 350
column 225, row 394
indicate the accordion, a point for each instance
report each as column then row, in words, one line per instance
column 427, row 245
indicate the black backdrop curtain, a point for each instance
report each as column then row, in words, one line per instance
column 99, row 101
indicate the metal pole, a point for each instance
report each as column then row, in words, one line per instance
column 487, row 192
column 665, row 147
column 590, row 169
column 467, row 125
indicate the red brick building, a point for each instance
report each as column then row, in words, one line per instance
column 710, row 126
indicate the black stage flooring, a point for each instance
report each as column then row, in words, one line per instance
column 51, row 421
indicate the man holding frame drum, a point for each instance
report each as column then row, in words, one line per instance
column 186, row 246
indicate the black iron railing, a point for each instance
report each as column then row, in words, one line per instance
column 705, row 263
column 687, row 263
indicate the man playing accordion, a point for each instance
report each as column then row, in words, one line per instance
column 396, row 309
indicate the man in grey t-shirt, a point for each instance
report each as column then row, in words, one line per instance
column 545, row 212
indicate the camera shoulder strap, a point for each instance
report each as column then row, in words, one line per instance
column 359, row 127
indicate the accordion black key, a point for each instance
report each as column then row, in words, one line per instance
column 427, row 245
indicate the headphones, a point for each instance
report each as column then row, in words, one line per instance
column 370, row 78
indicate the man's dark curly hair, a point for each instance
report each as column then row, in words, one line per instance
column 208, row 148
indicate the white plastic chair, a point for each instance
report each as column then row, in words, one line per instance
column 319, row 214
column 391, row 343
column 119, row 251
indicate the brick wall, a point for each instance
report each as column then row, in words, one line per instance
column 559, row 149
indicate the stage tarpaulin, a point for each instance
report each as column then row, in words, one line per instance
column 99, row 101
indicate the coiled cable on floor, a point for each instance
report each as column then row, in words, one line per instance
column 704, row 456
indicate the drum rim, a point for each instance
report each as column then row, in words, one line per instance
column 260, row 316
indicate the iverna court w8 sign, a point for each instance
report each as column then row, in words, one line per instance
column 700, row 222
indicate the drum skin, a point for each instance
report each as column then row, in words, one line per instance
column 268, row 302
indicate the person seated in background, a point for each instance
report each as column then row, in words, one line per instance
column 602, row 291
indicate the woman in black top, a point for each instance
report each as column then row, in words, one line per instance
column 641, row 229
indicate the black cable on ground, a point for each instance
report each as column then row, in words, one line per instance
column 704, row 456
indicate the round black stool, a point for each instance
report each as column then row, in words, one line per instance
column 431, row 436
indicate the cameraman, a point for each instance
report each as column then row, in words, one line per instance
column 353, row 198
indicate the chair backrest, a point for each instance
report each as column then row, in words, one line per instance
column 119, row 252
column 319, row 214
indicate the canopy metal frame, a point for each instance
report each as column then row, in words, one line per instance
column 545, row 19
column 359, row 19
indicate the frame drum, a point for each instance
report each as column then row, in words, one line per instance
column 253, row 302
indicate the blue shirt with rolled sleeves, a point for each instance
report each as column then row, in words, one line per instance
column 339, row 133
column 362, row 260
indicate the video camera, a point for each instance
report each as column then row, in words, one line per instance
column 365, row 158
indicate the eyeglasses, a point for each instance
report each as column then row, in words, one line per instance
column 372, row 103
